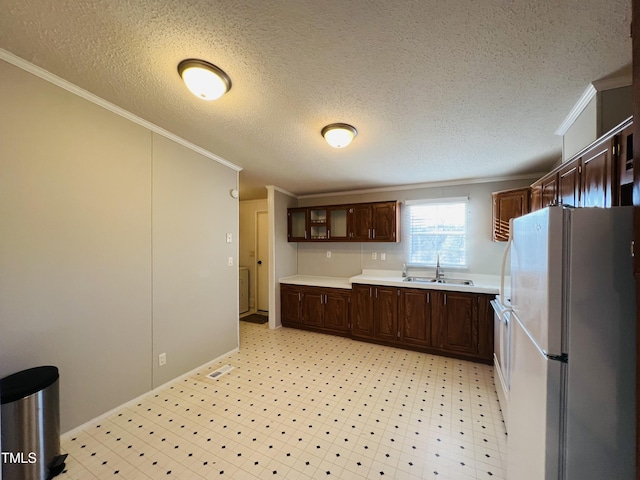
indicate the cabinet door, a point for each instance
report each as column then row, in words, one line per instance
column 536, row 196
column 318, row 226
column 339, row 223
column 361, row 222
column 384, row 222
column 290, row 305
column 297, row 223
column 457, row 325
column 362, row 310
column 507, row 205
column 336, row 310
column 569, row 184
column 624, row 154
column 312, row 307
column 415, row 317
column 597, row 176
column 385, row 313
column 549, row 185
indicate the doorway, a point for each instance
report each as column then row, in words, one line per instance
column 262, row 262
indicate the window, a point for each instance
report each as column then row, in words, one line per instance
column 437, row 227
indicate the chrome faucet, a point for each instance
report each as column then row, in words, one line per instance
column 404, row 269
column 439, row 271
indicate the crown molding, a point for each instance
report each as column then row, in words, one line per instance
column 577, row 109
column 594, row 87
column 282, row 190
column 76, row 90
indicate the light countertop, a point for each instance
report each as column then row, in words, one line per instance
column 489, row 284
column 317, row 281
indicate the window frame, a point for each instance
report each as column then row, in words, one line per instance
column 408, row 231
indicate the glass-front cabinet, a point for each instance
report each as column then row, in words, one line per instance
column 297, row 228
column 318, row 226
column 339, row 223
column 359, row 222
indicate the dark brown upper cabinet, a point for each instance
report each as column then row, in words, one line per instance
column 600, row 175
column 359, row 222
column 508, row 204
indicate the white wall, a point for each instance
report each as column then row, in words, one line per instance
column 606, row 110
column 283, row 254
column 348, row 259
column 617, row 106
column 248, row 210
column 195, row 291
column 582, row 132
column 81, row 253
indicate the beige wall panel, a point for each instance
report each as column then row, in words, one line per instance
column 75, row 248
column 195, row 291
column 283, row 254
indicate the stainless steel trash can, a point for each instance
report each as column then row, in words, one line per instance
column 31, row 424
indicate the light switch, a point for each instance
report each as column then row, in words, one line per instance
column 383, row 256
column 231, row 261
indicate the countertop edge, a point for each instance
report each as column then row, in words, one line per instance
column 317, row 281
column 346, row 283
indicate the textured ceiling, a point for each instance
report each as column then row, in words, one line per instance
column 438, row 90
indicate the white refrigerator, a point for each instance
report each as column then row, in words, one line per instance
column 572, row 390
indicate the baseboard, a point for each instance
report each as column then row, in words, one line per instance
column 133, row 401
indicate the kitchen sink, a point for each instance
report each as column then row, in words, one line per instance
column 450, row 281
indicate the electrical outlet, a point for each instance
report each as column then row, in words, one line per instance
column 229, row 238
column 162, row 359
column 328, row 253
column 374, row 256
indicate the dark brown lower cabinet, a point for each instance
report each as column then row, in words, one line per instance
column 385, row 313
column 291, row 305
column 374, row 312
column 456, row 324
column 415, row 317
column 315, row 308
column 362, row 311
column 336, row 310
column 463, row 324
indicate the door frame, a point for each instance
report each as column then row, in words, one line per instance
column 264, row 255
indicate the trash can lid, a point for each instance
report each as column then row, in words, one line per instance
column 27, row 382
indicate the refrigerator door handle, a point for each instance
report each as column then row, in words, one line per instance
column 563, row 358
column 504, row 261
column 501, row 311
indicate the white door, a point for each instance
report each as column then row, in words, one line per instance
column 262, row 261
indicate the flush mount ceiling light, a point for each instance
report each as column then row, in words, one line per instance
column 339, row 135
column 204, row 79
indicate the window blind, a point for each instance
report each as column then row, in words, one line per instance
column 437, row 227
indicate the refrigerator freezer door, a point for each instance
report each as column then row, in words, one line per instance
column 535, row 403
column 537, row 274
column 601, row 346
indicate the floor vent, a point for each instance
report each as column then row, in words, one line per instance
column 219, row 372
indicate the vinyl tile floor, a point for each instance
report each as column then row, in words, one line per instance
column 302, row 405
